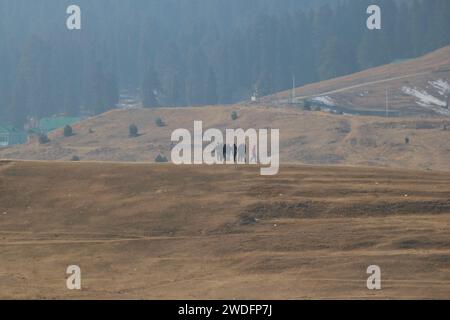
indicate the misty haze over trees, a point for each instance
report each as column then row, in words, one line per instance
column 195, row 52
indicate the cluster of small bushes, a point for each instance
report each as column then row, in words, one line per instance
column 133, row 130
column 43, row 138
column 161, row 159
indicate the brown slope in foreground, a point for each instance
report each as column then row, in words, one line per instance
column 305, row 137
column 160, row 231
column 366, row 90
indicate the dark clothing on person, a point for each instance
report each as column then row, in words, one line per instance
column 235, row 152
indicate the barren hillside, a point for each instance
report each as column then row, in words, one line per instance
column 415, row 87
column 306, row 137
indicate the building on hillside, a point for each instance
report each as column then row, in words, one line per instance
column 10, row 136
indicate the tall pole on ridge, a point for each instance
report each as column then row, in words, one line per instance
column 293, row 89
column 387, row 102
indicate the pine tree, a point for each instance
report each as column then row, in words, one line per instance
column 211, row 88
column 150, row 88
column 335, row 60
column 196, row 80
column 103, row 93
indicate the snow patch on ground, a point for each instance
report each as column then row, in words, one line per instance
column 442, row 86
column 427, row 101
column 325, row 100
column 424, row 97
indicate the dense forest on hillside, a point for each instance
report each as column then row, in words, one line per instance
column 195, row 52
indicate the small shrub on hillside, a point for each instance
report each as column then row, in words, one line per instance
column 307, row 105
column 68, row 131
column 161, row 159
column 133, row 130
column 160, row 123
column 43, row 138
column 234, row 115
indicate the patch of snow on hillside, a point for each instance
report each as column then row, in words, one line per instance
column 427, row 101
column 424, row 97
column 325, row 100
column 442, row 86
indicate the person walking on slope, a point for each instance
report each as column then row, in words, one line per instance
column 229, row 152
column 254, row 158
column 225, row 151
column 241, row 153
column 219, row 152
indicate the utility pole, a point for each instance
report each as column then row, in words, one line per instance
column 293, row 90
column 387, row 102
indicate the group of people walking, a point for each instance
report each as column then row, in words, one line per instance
column 235, row 153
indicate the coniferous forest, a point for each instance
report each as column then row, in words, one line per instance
column 195, row 52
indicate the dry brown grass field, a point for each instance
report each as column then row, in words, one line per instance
column 147, row 231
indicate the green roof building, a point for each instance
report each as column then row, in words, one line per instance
column 10, row 136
